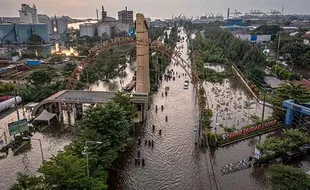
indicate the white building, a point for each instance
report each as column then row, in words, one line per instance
column 104, row 28
column 87, row 29
column 28, row 14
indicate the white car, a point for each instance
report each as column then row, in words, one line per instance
column 186, row 84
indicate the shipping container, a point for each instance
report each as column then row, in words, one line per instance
column 34, row 62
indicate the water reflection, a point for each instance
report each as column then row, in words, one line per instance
column 232, row 106
column 216, row 67
column 30, row 160
column 174, row 162
column 115, row 84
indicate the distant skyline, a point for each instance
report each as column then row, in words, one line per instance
column 152, row 8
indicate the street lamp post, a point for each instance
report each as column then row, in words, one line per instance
column 86, row 152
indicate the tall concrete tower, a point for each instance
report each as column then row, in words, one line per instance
column 142, row 56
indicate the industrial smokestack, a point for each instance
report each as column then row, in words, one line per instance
column 102, row 13
column 228, row 12
column 126, row 13
column 97, row 14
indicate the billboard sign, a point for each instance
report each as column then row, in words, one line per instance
column 18, row 127
column 257, row 154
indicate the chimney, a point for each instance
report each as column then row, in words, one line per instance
column 228, row 12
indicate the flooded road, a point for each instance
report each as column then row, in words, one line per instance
column 174, row 162
column 29, row 161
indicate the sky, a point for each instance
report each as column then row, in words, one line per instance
column 152, row 8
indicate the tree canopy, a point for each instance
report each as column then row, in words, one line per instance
column 287, row 178
column 6, row 88
column 108, row 65
column 108, row 123
column 287, row 91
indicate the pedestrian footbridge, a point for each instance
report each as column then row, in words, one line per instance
column 71, row 97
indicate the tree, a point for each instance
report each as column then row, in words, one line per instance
column 291, row 140
column 41, row 84
column 284, row 177
column 6, row 88
column 25, row 181
column 109, row 120
column 125, row 101
column 109, row 64
column 68, row 171
column 82, row 50
column 40, row 77
column 63, row 171
column 267, row 29
column 287, row 91
column 296, row 51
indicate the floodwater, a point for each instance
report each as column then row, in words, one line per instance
column 232, row 105
column 116, row 84
column 175, row 162
column 30, row 160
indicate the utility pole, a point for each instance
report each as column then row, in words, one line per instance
column 260, row 137
column 86, row 153
column 16, row 105
column 278, row 48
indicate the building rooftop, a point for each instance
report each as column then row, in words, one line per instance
column 273, row 82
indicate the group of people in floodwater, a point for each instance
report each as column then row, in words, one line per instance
column 150, row 143
column 171, row 75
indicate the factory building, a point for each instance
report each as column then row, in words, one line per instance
column 9, row 20
column 125, row 16
column 60, row 25
column 45, row 19
column 28, row 14
column 87, row 29
column 108, row 25
column 21, row 32
column 104, row 28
